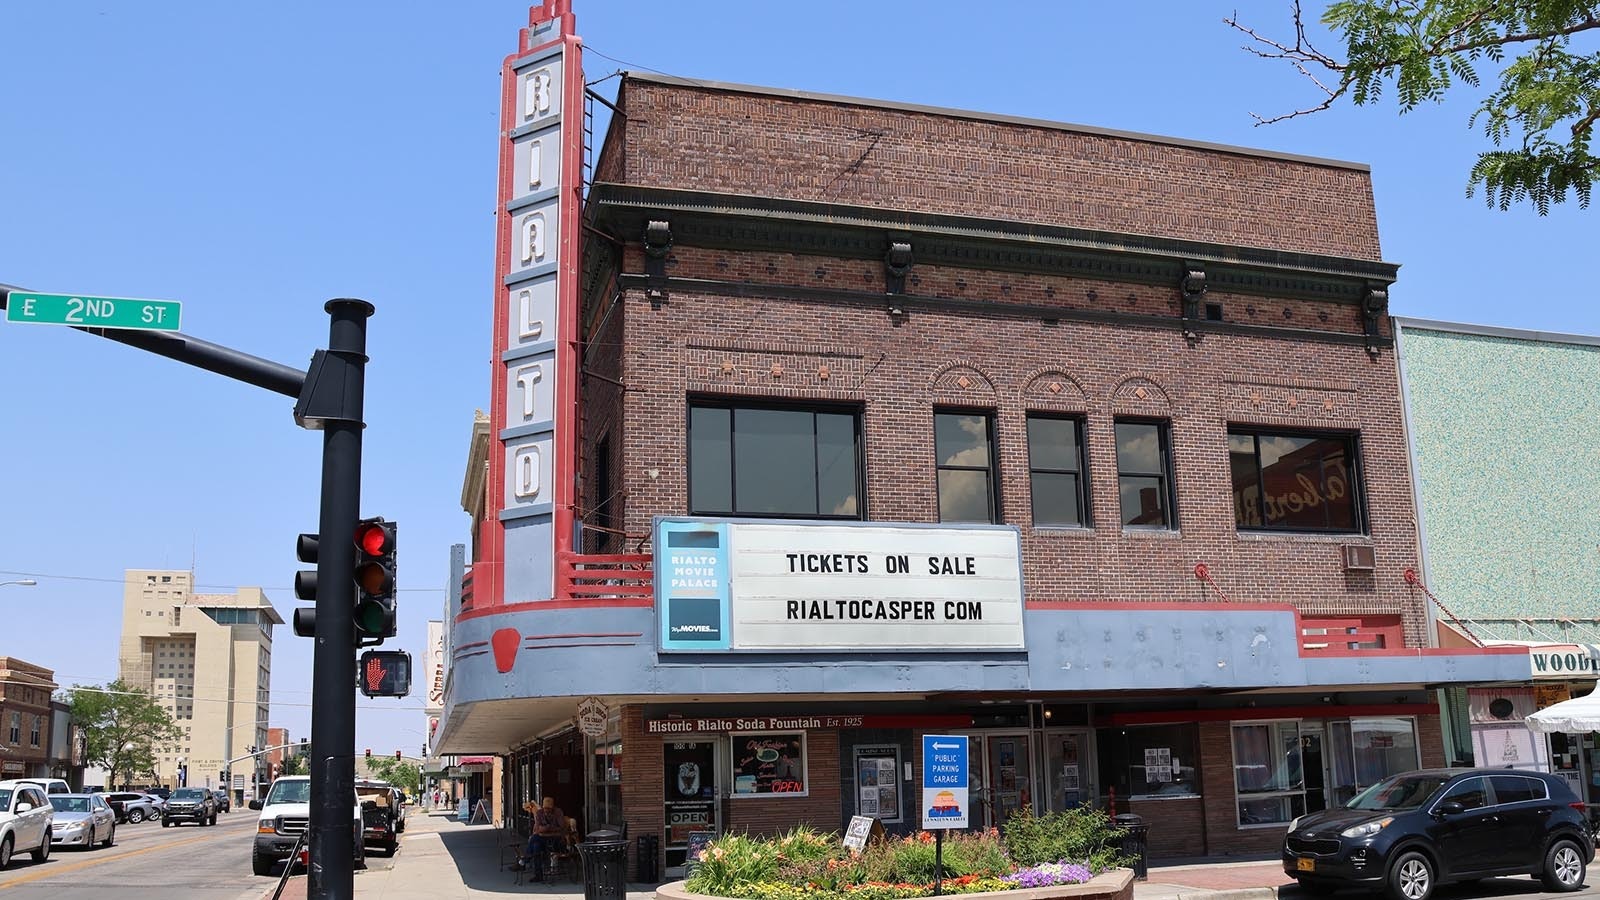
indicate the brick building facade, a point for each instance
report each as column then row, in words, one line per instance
column 26, row 719
column 1164, row 368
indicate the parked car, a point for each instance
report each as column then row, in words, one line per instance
column 284, row 816
column 134, row 808
column 157, row 791
column 25, row 817
column 50, row 785
column 224, row 802
column 190, row 804
column 1409, row 833
column 82, row 820
column 381, row 821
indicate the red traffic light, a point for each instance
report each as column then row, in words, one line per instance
column 375, row 537
column 397, row 754
column 369, row 753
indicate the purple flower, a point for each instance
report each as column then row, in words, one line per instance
column 1047, row 874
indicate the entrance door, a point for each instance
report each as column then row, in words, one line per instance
column 690, row 795
column 1010, row 774
column 1313, row 767
column 1070, row 769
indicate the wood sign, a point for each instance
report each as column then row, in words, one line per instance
column 698, row 842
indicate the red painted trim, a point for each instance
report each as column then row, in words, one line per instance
column 569, row 337
column 1071, row 605
column 1319, row 711
column 938, row 721
column 471, row 645
column 546, row 605
column 592, row 590
column 601, row 634
column 595, row 644
column 461, row 656
column 605, row 558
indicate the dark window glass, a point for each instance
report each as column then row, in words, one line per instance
column 770, row 461
column 1294, row 482
column 604, row 506
column 1056, row 471
column 1126, row 755
column 964, row 455
column 1516, row 789
column 1144, row 474
column 1471, row 794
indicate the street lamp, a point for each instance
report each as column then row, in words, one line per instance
column 25, row 582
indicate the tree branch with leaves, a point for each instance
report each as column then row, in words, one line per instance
column 1540, row 118
column 124, row 728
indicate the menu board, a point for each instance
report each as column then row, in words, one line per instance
column 769, row 764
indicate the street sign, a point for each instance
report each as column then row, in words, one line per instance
column 944, row 781
column 93, row 312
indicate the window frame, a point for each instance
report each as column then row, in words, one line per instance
column 805, row 764
column 1357, row 486
column 732, row 405
column 1085, row 506
column 993, row 468
column 1168, row 478
column 1238, row 797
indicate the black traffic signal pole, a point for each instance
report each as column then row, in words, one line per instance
column 333, row 698
column 330, row 398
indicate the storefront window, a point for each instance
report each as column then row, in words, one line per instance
column 769, row 764
column 1383, row 747
column 606, row 778
column 1267, row 773
column 1152, row 761
column 877, row 771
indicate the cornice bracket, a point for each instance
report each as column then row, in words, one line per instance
column 896, row 265
column 1193, row 286
column 1374, row 307
column 657, row 244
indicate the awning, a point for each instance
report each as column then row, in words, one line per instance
column 1576, row 716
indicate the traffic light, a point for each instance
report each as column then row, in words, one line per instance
column 397, row 755
column 305, row 586
column 374, row 576
column 369, row 753
column 384, row 673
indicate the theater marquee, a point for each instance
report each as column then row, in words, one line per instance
column 791, row 586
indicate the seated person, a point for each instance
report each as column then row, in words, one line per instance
column 548, row 834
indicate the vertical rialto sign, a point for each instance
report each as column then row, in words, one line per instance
column 533, row 409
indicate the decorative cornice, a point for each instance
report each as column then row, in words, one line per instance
column 740, row 222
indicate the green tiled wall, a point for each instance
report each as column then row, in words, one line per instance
column 1507, row 438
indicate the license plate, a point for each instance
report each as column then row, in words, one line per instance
column 1305, row 865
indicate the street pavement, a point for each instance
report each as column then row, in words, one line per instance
column 1264, row 880
column 148, row 862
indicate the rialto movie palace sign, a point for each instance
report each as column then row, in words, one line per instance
column 788, row 586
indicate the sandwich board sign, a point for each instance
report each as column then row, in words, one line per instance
column 944, row 781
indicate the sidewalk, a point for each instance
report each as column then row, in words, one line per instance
column 1248, row 879
column 439, row 857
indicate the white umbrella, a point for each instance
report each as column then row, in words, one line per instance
column 1576, row 716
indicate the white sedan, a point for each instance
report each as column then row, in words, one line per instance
column 82, row 820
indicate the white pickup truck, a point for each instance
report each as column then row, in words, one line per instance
column 285, row 815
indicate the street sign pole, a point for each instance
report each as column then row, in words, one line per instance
column 331, row 874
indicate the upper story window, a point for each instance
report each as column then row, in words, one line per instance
column 1294, row 482
column 1144, row 473
column 1057, row 474
column 963, row 449
column 759, row 460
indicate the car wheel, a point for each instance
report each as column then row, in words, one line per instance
column 1411, row 877
column 111, row 838
column 166, row 822
column 90, row 843
column 1563, row 867
column 1317, row 886
column 135, row 816
column 42, row 853
column 261, row 865
column 5, row 851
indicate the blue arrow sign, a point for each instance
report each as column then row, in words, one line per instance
column 944, row 781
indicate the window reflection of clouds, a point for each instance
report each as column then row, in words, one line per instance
column 1276, row 446
column 962, row 440
column 1138, row 448
column 963, row 496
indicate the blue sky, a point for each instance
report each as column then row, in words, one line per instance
column 254, row 160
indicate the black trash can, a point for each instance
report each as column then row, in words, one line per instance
column 605, row 865
column 647, row 852
column 1135, row 843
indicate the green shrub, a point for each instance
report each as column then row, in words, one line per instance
column 1079, row 835
column 732, row 860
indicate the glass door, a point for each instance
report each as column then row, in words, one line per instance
column 1070, row 769
column 690, row 796
column 1314, row 765
column 1010, row 770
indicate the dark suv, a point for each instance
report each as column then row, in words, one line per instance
column 1409, row 833
column 190, row 805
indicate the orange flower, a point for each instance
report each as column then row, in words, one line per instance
column 925, row 837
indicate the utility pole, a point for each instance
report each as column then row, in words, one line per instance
column 335, row 405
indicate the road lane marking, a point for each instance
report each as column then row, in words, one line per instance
column 29, row 876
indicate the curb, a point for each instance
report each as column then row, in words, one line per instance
column 1255, row 893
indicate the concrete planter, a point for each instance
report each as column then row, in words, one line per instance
column 1114, row 885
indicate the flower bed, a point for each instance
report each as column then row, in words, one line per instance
column 1061, row 854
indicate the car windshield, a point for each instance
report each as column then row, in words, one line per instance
column 70, row 804
column 290, row 792
column 1399, row 792
column 189, row 794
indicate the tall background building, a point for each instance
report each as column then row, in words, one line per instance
column 207, row 658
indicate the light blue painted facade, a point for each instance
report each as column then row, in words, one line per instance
column 1505, row 431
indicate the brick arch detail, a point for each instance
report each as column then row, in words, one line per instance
column 963, row 381
column 1140, row 395
column 1054, row 388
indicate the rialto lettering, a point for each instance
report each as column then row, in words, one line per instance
column 883, row 610
column 862, row 564
column 694, row 571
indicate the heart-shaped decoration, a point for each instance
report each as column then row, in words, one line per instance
column 505, row 642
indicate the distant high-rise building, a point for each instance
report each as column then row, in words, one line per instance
column 207, row 658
